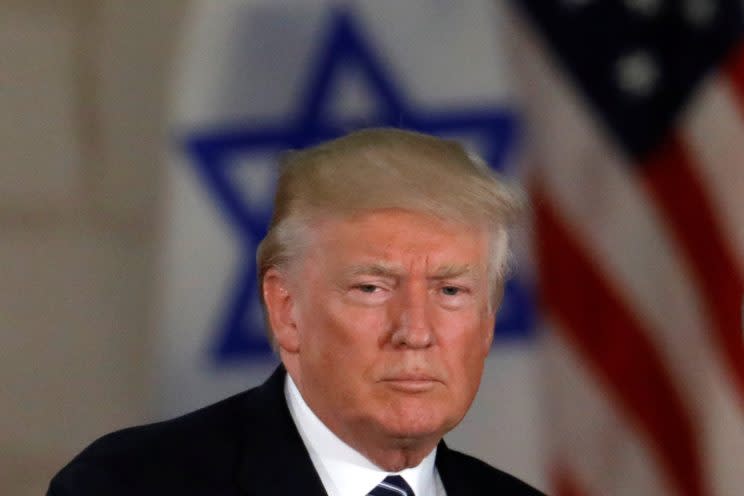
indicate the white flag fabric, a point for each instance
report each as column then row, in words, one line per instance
column 636, row 119
column 257, row 77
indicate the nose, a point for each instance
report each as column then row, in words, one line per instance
column 413, row 327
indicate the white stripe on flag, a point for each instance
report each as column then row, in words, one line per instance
column 592, row 438
column 713, row 129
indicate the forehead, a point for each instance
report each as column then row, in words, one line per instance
column 402, row 237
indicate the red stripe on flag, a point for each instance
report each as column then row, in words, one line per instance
column 688, row 212
column 565, row 484
column 734, row 68
column 596, row 320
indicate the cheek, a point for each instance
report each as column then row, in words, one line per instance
column 339, row 333
column 471, row 330
column 466, row 343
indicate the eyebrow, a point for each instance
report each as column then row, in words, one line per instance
column 374, row 269
column 451, row 271
column 448, row 271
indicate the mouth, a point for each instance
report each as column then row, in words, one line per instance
column 411, row 383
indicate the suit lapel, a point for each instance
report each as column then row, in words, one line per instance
column 275, row 460
column 453, row 480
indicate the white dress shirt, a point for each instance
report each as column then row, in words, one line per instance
column 343, row 470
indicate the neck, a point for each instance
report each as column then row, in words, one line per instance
column 394, row 458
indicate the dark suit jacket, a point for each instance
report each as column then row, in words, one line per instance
column 245, row 445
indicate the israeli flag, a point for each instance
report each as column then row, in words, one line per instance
column 253, row 78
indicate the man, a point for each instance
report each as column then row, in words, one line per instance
column 380, row 276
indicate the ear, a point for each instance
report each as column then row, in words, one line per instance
column 280, row 310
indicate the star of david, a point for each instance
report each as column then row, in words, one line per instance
column 346, row 47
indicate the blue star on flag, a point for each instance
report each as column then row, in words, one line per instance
column 213, row 152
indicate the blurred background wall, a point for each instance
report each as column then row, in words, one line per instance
column 82, row 87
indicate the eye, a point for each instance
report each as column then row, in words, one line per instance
column 369, row 293
column 451, row 290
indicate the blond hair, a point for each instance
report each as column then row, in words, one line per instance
column 381, row 169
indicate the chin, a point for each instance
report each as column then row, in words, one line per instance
column 415, row 425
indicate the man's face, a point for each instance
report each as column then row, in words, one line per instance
column 388, row 324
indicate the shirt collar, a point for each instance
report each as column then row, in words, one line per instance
column 342, row 469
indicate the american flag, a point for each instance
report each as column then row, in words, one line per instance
column 635, row 111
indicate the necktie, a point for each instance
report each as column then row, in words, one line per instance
column 393, row 485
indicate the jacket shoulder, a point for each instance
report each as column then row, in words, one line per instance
column 475, row 476
column 197, row 448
